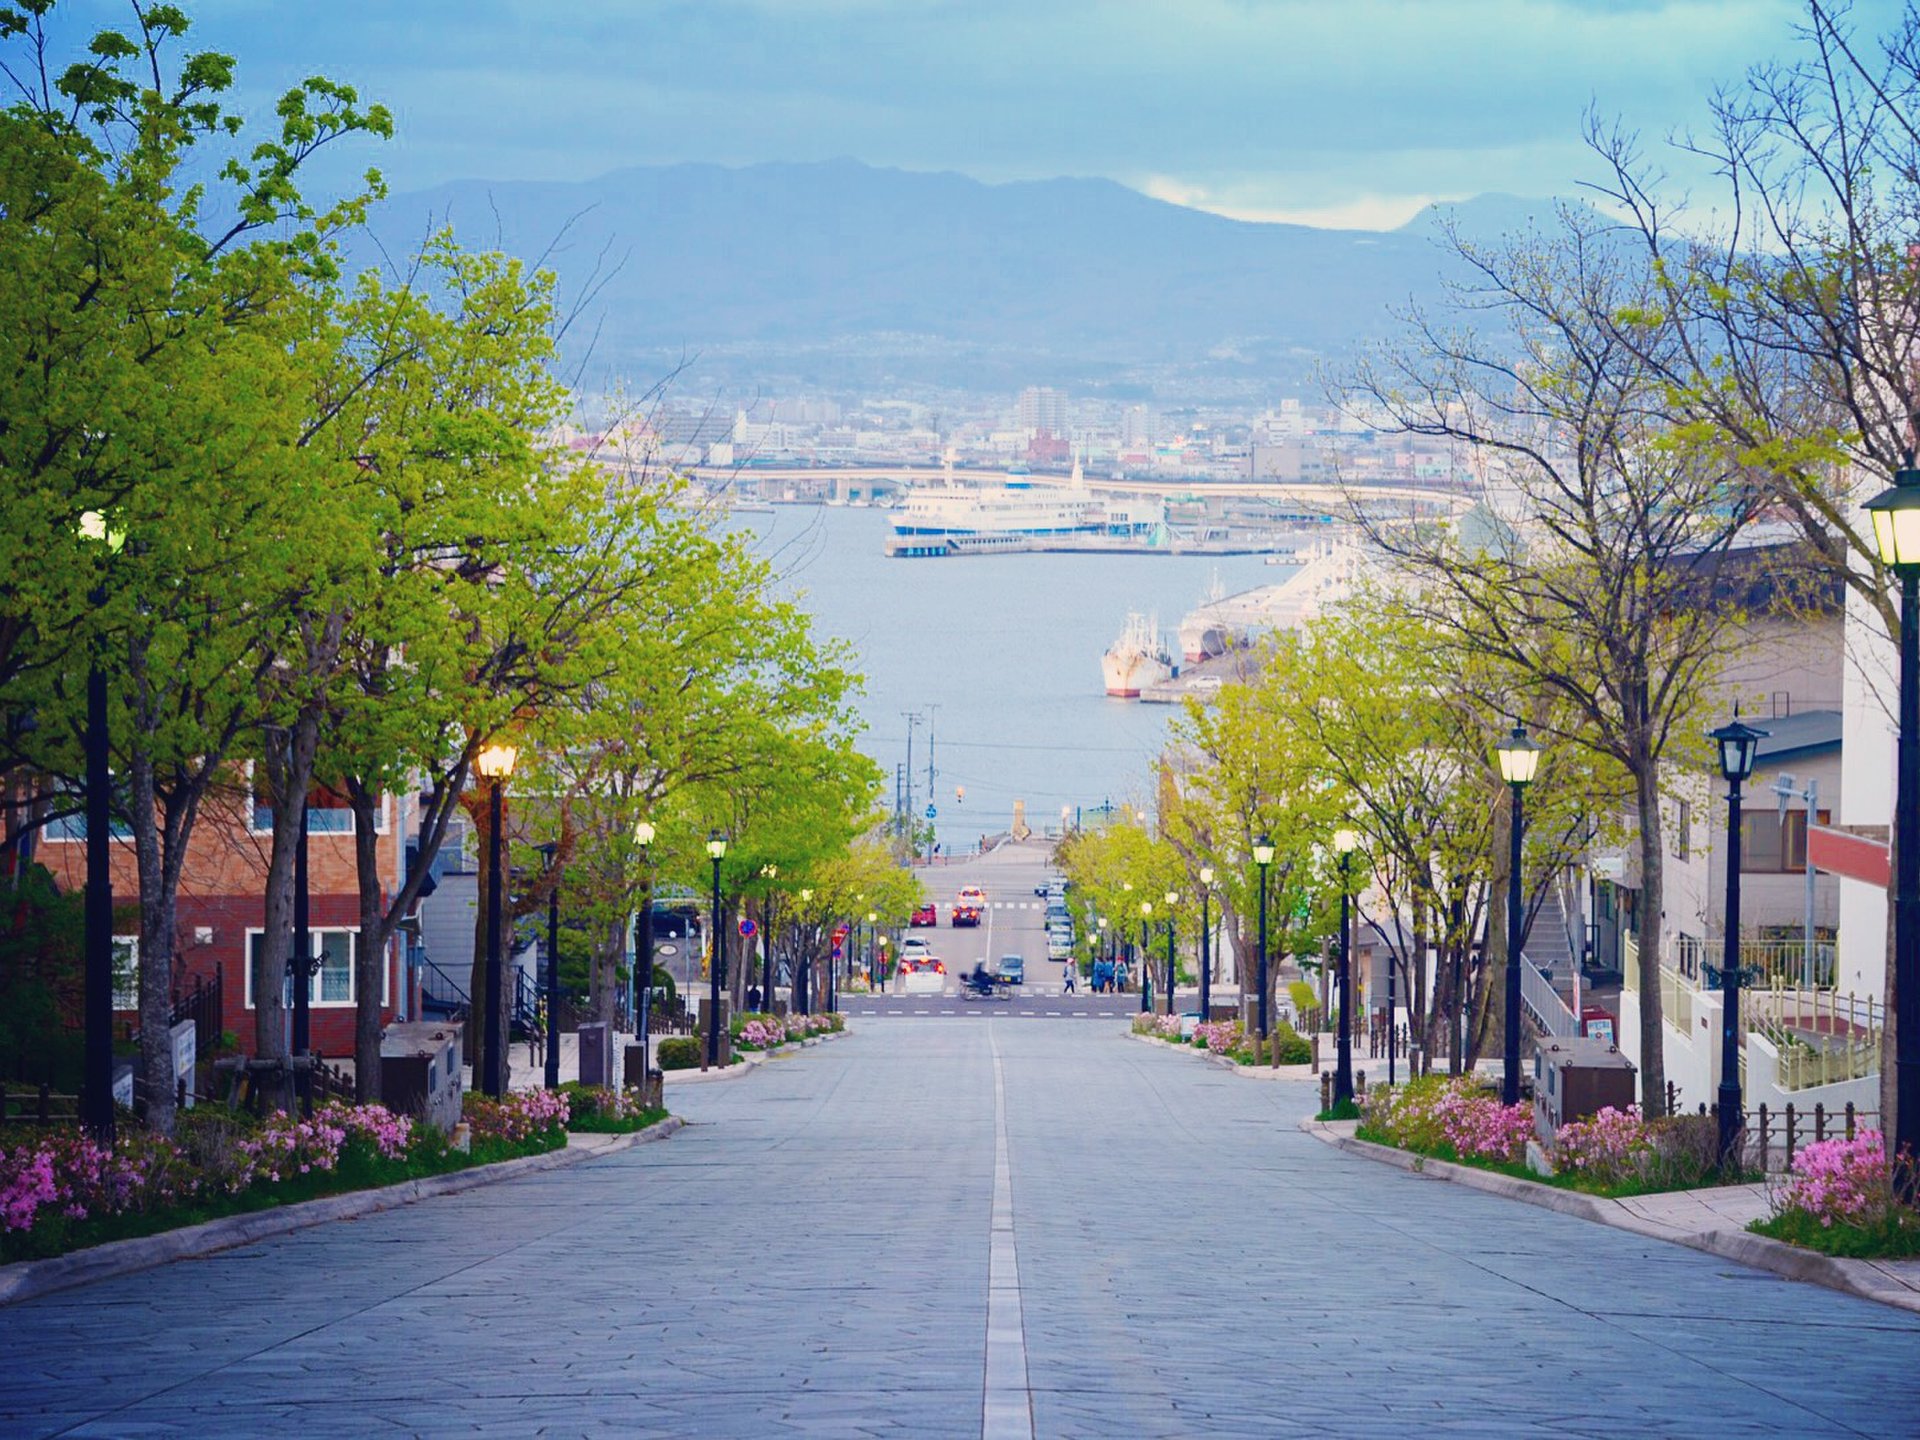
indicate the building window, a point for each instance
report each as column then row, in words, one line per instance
column 1772, row 844
column 328, row 811
column 332, row 983
column 71, row 823
column 126, row 972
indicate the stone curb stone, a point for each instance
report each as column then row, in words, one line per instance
column 26, row 1279
column 749, row 1059
column 1852, row 1277
column 1245, row 1072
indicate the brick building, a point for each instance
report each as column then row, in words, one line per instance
column 222, row 907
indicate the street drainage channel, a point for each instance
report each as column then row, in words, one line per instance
column 1008, row 1410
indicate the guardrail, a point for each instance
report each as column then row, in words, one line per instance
column 1822, row 1037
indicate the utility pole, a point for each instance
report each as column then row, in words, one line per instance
column 912, row 717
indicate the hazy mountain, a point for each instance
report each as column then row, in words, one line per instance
column 843, row 272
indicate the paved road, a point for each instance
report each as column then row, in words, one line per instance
column 929, row 1223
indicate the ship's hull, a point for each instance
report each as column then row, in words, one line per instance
column 1127, row 673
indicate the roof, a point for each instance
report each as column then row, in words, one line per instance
column 1794, row 734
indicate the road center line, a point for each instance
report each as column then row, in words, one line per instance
column 1008, row 1411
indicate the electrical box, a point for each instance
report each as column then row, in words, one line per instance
column 1575, row 1078
column 596, row 1054
column 420, row 1071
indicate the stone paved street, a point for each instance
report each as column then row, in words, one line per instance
column 812, row 1256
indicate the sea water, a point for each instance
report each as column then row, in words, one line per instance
column 999, row 655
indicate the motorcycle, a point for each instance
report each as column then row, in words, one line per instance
column 984, row 987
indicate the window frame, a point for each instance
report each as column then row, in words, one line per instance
column 317, row 934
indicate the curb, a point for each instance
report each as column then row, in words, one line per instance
column 1858, row 1278
column 749, row 1060
column 27, row 1279
column 1303, row 1073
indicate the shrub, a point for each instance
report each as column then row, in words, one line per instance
column 1292, row 1047
column 759, row 1032
column 590, row 1105
column 678, row 1052
column 519, row 1116
column 1608, row 1150
column 1448, row 1118
column 1844, row 1182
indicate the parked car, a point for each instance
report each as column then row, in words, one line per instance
column 927, row 914
column 1059, row 947
column 1012, row 970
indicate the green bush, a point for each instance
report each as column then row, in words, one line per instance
column 678, row 1052
column 1292, row 1047
column 1301, row 993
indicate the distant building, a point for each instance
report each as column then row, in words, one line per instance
column 1042, row 408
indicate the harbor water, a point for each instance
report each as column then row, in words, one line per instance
column 1001, row 652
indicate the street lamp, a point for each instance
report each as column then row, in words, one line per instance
column 803, row 971
column 1896, row 535
column 1173, row 899
column 1146, row 962
column 1262, row 857
column 1737, row 744
column 1345, row 842
column 1206, row 940
column 771, row 872
column 717, row 964
column 1519, row 759
column 551, row 1077
column 875, row 980
column 643, row 833
column 495, row 764
column 98, row 917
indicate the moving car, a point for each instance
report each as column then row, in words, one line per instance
column 1059, row 946
column 1012, row 970
column 914, row 948
column 968, row 905
column 921, row 975
column 927, row 914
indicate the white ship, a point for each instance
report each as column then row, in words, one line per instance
column 1137, row 659
column 953, row 512
column 1224, row 622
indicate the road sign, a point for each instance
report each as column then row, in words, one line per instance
column 747, row 929
column 932, row 813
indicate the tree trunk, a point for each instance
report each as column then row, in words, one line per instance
column 370, row 948
column 1417, row 984
column 289, row 768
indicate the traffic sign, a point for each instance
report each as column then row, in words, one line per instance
column 748, row 929
column 931, row 812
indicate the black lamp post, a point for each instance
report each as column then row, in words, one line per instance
column 1206, row 941
column 1344, row 843
column 716, row 967
column 771, row 872
column 97, row 1093
column 1173, row 899
column 304, row 964
column 495, row 764
column 1146, row 960
column 1519, row 759
column 551, row 1076
column 876, row 957
column 1896, row 534
column 1262, row 857
column 1737, row 744
column 643, row 833
column 803, row 960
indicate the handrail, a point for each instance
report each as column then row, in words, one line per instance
column 1544, row 1002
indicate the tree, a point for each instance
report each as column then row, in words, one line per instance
column 148, row 355
column 1596, row 579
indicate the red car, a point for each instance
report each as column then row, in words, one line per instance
column 927, row 914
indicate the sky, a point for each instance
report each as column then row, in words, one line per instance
column 1350, row 113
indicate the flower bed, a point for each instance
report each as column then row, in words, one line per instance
column 1615, row 1153
column 1226, row 1037
column 755, row 1030
column 1839, row 1200
column 59, row 1191
column 603, row 1110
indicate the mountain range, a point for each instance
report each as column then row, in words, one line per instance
column 840, row 273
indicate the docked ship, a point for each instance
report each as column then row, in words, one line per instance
column 1137, row 659
column 950, row 518
column 1227, row 622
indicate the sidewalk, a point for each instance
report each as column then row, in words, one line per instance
column 1714, row 1220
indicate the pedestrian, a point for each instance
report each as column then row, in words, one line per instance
column 1071, row 967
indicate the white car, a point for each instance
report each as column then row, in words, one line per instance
column 921, row 975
